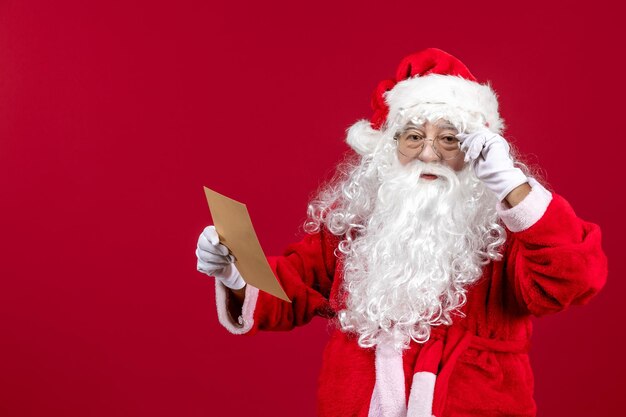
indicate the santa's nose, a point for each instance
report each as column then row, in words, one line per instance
column 428, row 153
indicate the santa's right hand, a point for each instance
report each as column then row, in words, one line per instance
column 214, row 259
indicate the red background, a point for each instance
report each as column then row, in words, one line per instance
column 113, row 115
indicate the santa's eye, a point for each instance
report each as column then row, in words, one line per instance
column 414, row 137
column 449, row 139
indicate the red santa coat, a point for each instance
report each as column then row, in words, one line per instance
column 479, row 366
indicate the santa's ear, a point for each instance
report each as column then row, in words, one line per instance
column 363, row 138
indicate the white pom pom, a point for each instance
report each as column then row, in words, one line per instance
column 363, row 138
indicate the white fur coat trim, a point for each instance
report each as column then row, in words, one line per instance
column 528, row 211
column 388, row 398
column 245, row 322
column 422, row 394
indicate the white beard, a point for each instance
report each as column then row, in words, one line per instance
column 422, row 245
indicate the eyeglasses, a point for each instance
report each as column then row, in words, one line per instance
column 411, row 144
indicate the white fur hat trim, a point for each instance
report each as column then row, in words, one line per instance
column 451, row 91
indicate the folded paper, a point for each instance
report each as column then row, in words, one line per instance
column 234, row 227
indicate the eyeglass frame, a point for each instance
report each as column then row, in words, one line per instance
column 398, row 135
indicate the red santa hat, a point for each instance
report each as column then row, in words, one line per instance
column 429, row 83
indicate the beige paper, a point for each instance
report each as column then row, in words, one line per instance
column 234, row 227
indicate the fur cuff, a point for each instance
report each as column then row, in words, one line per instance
column 529, row 211
column 245, row 322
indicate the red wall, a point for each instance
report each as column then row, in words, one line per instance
column 114, row 115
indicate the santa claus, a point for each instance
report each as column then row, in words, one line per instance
column 430, row 251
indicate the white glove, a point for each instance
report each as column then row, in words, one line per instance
column 214, row 259
column 492, row 161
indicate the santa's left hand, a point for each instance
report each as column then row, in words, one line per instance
column 490, row 154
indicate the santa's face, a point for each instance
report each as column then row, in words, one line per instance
column 442, row 132
column 422, row 243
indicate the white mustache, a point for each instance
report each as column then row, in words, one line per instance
column 433, row 169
